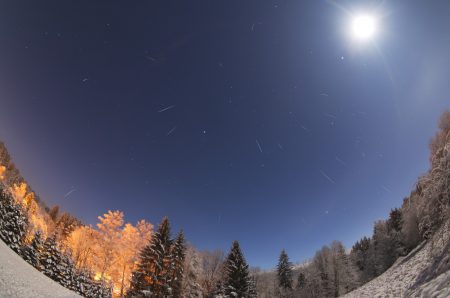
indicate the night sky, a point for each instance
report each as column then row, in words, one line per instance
column 260, row 121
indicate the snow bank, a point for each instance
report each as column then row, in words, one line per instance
column 19, row 279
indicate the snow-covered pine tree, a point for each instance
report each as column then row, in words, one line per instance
column 50, row 259
column 66, row 270
column 84, row 285
column 75, row 285
column 99, row 290
column 31, row 252
column 237, row 278
column 138, row 282
column 152, row 275
column 177, row 256
column 13, row 222
column 284, row 274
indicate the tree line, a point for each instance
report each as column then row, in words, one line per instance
column 125, row 260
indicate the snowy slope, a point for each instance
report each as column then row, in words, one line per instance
column 438, row 287
column 18, row 279
column 414, row 275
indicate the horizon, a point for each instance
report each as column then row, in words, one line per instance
column 237, row 121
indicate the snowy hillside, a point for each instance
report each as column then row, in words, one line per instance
column 18, row 279
column 422, row 273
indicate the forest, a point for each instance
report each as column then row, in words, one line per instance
column 115, row 258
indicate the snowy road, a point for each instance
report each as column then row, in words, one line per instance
column 18, row 279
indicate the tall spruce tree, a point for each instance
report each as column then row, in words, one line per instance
column 177, row 256
column 284, row 274
column 152, row 275
column 237, row 279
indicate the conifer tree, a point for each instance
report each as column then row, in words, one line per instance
column 237, row 279
column 177, row 256
column 284, row 274
column 139, row 282
column 31, row 253
column 66, row 271
column 50, row 259
column 13, row 222
column 84, row 285
column 152, row 275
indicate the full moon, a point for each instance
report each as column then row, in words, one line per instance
column 363, row 27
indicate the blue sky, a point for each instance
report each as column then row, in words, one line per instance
column 280, row 133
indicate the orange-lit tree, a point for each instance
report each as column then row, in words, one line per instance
column 111, row 250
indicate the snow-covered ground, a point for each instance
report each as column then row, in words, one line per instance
column 19, row 279
column 438, row 287
column 403, row 278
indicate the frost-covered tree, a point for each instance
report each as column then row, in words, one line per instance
column 191, row 287
column 344, row 274
column 211, row 263
column 362, row 257
column 331, row 273
column 284, row 274
column 109, row 232
column 301, row 283
column 11, row 174
column 394, row 226
column 266, row 282
column 410, row 224
column 237, row 279
column 431, row 197
column 54, row 213
column 65, row 224
column 322, row 265
column 384, row 247
column 131, row 241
